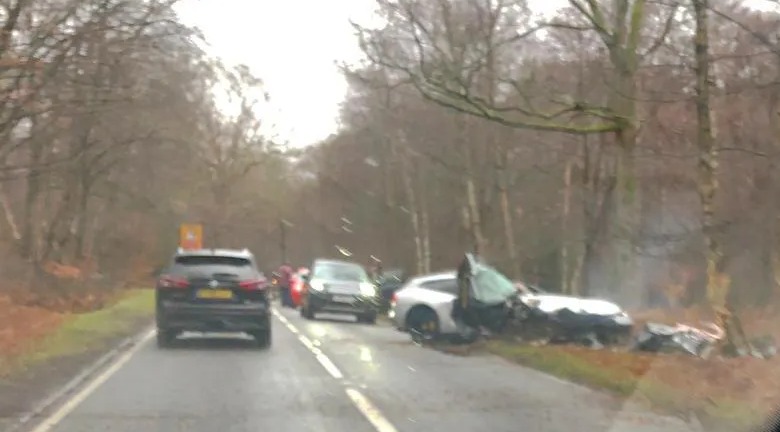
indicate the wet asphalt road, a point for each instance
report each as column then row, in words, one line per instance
column 337, row 375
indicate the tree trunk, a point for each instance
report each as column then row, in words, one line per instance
column 772, row 214
column 10, row 220
column 426, row 240
column 775, row 216
column 82, row 214
column 625, row 282
column 424, row 226
column 565, row 280
column 500, row 155
column 508, row 222
column 623, row 45
column 717, row 280
column 414, row 213
column 29, row 229
column 597, row 207
column 475, row 223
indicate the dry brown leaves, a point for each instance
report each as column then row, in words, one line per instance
column 754, row 382
column 21, row 326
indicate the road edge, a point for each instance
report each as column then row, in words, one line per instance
column 26, row 421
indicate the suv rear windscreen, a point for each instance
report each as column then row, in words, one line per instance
column 205, row 265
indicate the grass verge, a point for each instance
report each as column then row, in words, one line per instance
column 619, row 375
column 80, row 333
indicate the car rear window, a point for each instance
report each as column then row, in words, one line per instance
column 205, row 265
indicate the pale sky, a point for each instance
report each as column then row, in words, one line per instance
column 293, row 46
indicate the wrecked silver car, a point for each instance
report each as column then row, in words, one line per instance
column 488, row 303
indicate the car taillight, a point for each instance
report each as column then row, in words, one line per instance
column 254, row 284
column 172, row 282
column 394, row 298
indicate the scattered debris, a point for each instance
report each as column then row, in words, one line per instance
column 681, row 338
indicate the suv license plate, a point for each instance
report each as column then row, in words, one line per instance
column 218, row 294
column 342, row 299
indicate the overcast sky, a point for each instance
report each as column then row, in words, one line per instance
column 293, row 46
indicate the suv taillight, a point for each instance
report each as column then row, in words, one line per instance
column 172, row 282
column 254, row 284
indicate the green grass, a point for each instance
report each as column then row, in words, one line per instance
column 80, row 333
column 721, row 414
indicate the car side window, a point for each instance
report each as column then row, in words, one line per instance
column 449, row 286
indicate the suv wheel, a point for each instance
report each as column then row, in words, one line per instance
column 368, row 318
column 165, row 338
column 263, row 337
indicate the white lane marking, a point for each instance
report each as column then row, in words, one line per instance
column 322, row 358
column 306, row 342
column 329, row 366
column 362, row 403
column 381, row 424
column 71, row 404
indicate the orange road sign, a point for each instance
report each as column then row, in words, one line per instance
column 191, row 236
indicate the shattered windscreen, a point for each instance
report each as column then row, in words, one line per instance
column 490, row 286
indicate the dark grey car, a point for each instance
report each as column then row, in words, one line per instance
column 213, row 290
column 339, row 287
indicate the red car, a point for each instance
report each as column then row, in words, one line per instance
column 297, row 285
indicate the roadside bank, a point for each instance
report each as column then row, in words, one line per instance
column 723, row 394
column 70, row 343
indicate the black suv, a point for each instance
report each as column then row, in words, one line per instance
column 339, row 287
column 213, row 290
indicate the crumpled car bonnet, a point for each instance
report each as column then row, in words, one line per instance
column 550, row 303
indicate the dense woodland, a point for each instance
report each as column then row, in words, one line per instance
column 624, row 148
column 112, row 137
column 618, row 148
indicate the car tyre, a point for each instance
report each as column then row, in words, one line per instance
column 368, row 318
column 424, row 322
column 165, row 338
column 263, row 338
column 307, row 312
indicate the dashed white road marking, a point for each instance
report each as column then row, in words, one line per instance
column 362, row 403
column 329, row 366
column 73, row 403
column 322, row 358
column 381, row 424
column 306, row 342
